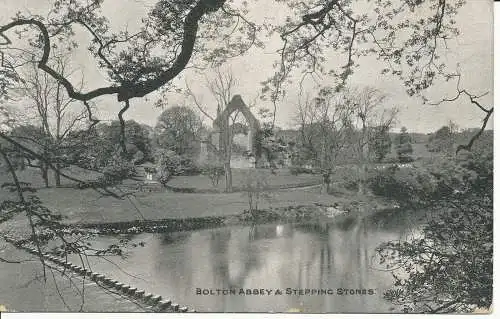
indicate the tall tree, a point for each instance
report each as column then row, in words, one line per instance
column 177, row 129
column 54, row 112
column 369, row 117
column 135, row 136
column 339, row 127
column 404, row 149
column 222, row 87
column 443, row 139
column 324, row 123
column 381, row 143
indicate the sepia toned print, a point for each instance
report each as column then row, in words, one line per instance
column 316, row 156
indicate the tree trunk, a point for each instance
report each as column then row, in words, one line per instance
column 45, row 174
column 327, row 179
column 229, row 177
column 362, row 179
column 325, row 186
column 57, row 175
column 328, row 183
column 363, row 166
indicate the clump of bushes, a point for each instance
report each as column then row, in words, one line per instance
column 214, row 172
column 255, row 186
column 296, row 170
column 171, row 164
column 408, row 186
column 116, row 170
column 436, row 180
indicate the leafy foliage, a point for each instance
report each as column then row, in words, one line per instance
column 214, row 172
column 136, row 137
column 409, row 36
column 171, row 164
column 177, row 129
column 448, row 267
column 403, row 147
column 254, row 185
column 408, row 186
column 442, row 140
column 381, row 143
column 296, row 170
column 117, row 169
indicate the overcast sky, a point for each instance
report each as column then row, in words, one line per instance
column 473, row 50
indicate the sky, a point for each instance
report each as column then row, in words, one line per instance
column 473, row 50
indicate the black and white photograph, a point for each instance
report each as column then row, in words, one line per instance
column 246, row 156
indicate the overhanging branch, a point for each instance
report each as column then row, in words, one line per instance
column 124, row 91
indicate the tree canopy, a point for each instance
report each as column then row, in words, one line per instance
column 177, row 129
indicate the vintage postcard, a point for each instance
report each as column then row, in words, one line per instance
column 256, row 156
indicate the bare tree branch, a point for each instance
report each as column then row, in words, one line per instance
column 124, row 91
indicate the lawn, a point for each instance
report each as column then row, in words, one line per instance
column 89, row 206
column 281, row 178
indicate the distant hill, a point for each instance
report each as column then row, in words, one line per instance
column 419, row 141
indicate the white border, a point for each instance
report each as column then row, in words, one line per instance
column 496, row 286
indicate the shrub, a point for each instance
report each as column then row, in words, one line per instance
column 448, row 267
column 214, row 172
column 458, row 275
column 408, row 186
column 440, row 179
column 296, row 170
column 189, row 167
column 170, row 164
column 254, row 185
column 116, row 170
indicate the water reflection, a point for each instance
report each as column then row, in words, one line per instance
column 274, row 256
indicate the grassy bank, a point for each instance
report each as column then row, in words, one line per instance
column 279, row 179
column 87, row 206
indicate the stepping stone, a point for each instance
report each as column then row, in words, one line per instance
column 139, row 293
column 100, row 277
column 175, row 307
column 148, row 296
column 164, row 304
column 132, row 291
column 125, row 288
column 155, row 299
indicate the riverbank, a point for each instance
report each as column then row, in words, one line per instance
column 179, row 211
column 341, row 211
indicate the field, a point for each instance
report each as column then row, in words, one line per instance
column 87, row 205
column 280, row 179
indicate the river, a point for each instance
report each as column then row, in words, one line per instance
column 188, row 267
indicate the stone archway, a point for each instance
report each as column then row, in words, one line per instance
column 221, row 135
column 218, row 143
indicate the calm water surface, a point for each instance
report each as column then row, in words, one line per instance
column 271, row 256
